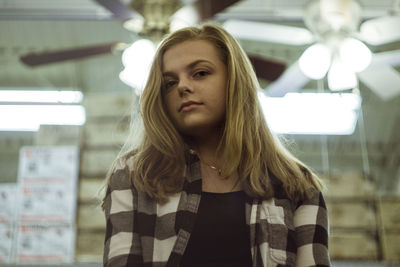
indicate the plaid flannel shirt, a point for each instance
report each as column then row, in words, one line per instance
column 141, row 232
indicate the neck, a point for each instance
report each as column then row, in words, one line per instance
column 213, row 180
column 206, row 147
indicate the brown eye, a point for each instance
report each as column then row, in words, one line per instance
column 201, row 74
column 169, row 84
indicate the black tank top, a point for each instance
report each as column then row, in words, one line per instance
column 220, row 236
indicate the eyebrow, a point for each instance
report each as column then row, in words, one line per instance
column 190, row 66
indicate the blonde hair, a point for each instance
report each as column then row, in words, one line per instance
column 247, row 143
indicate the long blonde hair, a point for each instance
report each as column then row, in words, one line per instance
column 247, row 143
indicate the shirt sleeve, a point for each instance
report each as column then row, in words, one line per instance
column 122, row 244
column 312, row 230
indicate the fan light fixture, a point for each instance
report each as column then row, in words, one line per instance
column 137, row 60
column 312, row 113
column 349, row 56
column 334, row 23
column 27, row 110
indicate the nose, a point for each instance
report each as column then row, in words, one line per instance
column 184, row 87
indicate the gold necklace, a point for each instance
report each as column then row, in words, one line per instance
column 212, row 167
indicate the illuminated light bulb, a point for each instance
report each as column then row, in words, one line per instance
column 137, row 60
column 315, row 61
column 341, row 77
column 355, row 54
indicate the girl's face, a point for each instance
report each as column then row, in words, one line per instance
column 195, row 81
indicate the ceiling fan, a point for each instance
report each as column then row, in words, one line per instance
column 152, row 19
column 328, row 21
column 331, row 24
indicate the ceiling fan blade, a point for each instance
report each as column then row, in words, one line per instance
column 37, row 59
column 391, row 58
column 197, row 11
column 380, row 76
column 381, row 30
column 208, row 8
column 120, row 10
column 383, row 81
column 268, row 32
column 292, row 80
column 267, row 69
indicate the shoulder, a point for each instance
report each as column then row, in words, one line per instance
column 312, row 211
column 311, row 208
column 119, row 187
column 309, row 195
column 302, row 224
column 312, row 231
column 121, row 172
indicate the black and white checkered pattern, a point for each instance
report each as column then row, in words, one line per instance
column 141, row 232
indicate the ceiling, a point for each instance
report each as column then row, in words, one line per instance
column 41, row 25
column 37, row 25
column 89, row 10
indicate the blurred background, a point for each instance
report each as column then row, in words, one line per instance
column 71, row 73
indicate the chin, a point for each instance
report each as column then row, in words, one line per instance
column 199, row 129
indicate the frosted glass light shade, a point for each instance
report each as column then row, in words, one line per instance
column 355, row 54
column 341, row 77
column 315, row 61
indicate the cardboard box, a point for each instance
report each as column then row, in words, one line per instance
column 353, row 246
column 347, row 214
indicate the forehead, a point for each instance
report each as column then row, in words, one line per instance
column 184, row 53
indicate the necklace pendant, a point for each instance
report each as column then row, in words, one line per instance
column 212, row 167
column 219, row 171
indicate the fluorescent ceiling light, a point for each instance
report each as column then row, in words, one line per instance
column 30, row 96
column 312, row 113
column 30, row 117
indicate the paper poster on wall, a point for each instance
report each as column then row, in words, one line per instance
column 45, row 244
column 7, row 235
column 8, row 203
column 47, row 184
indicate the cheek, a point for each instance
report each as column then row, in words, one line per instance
column 169, row 104
column 221, row 95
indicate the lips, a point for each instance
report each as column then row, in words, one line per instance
column 188, row 103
